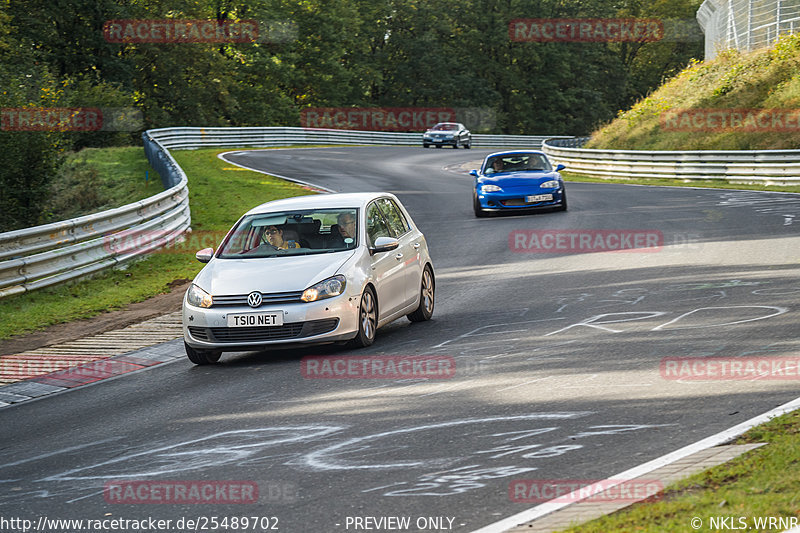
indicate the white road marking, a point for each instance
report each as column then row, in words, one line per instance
column 778, row 311
column 643, row 469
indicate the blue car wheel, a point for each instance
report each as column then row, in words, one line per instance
column 476, row 206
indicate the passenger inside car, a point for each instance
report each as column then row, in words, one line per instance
column 346, row 225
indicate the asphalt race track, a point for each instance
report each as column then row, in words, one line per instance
column 560, row 365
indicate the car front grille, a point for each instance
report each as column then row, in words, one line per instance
column 266, row 298
column 514, row 202
column 519, row 202
column 292, row 330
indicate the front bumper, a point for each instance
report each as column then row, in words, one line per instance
column 499, row 201
column 439, row 140
column 330, row 320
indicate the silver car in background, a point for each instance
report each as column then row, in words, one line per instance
column 453, row 134
column 311, row 269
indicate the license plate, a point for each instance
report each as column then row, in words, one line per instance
column 539, row 198
column 273, row 318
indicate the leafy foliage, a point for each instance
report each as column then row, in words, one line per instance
column 359, row 53
column 764, row 81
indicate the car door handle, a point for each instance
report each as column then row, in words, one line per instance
column 416, row 246
column 398, row 257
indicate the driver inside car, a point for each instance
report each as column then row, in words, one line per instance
column 274, row 236
column 496, row 166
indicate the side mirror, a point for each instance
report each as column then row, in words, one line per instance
column 204, row 255
column 560, row 167
column 384, row 244
column 473, row 172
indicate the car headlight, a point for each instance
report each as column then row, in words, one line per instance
column 198, row 297
column 552, row 184
column 490, row 188
column 325, row 289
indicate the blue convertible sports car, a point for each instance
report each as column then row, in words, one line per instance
column 517, row 180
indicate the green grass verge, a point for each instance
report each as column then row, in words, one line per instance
column 665, row 182
column 97, row 179
column 217, row 197
column 762, row 483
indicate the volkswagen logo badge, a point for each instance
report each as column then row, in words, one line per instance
column 254, row 299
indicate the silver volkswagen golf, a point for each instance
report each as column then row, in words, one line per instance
column 311, row 269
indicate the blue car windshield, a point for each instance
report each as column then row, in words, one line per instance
column 518, row 163
column 292, row 233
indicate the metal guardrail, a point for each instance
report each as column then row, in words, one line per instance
column 41, row 256
column 187, row 137
column 735, row 166
column 37, row 257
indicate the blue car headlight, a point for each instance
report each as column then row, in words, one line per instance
column 552, row 184
column 325, row 289
column 490, row 188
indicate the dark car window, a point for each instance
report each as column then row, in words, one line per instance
column 305, row 232
column 394, row 217
column 376, row 225
column 517, row 163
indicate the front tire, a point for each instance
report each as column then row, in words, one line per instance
column 425, row 145
column 427, row 294
column 202, row 357
column 563, row 206
column 367, row 320
column 476, row 206
column 455, row 145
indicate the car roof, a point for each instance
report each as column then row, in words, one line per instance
column 321, row 201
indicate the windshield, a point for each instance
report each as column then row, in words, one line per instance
column 517, row 163
column 292, row 233
column 445, row 127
